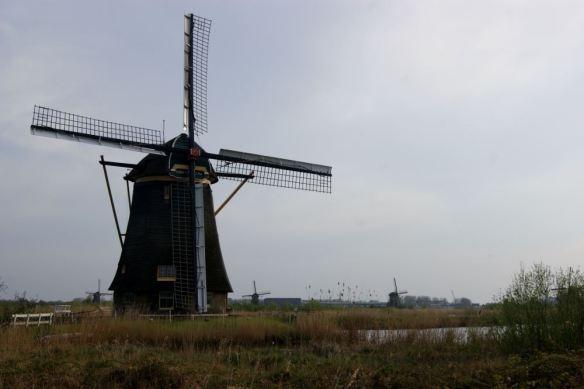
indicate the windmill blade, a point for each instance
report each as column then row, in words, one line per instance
column 57, row 124
column 196, row 47
column 196, row 53
column 262, row 293
column 272, row 171
column 247, row 295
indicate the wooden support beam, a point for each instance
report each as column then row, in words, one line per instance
column 109, row 192
column 242, row 183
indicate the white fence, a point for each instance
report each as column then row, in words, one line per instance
column 62, row 310
column 32, row 319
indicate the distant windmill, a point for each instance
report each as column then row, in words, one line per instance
column 394, row 296
column 255, row 296
column 96, row 296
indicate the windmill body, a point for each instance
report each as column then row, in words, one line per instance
column 171, row 258
column 146, row 275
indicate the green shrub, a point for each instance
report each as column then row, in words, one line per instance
column 20, row 304
column 543, row 310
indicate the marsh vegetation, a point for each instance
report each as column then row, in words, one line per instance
column 542, row 345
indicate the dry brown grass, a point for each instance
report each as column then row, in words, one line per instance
column 415, row 318
column 249, row 330
column 318, row 349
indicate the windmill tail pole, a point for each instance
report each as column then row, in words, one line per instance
column 109, row 192
column 241, row 184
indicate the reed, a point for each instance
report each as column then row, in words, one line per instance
column 304, row 349
column 315, row 348
column 413, row 318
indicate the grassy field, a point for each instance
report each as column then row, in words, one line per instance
column 537, row 340
column 269, row 349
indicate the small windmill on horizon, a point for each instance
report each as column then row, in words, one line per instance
column 96, row 296
column 394, row 299
column 255, row 296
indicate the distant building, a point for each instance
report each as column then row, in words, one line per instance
column 283, row 301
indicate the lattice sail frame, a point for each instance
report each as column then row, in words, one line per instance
column 196, row 53
column 272, row 171
column 53, row 123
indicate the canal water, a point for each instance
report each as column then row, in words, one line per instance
column 457, row 334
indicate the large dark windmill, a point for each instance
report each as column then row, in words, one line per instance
column 171, row 258
column 255, row 296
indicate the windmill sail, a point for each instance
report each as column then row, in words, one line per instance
column 272, row 171
column 196, row 52
column 62, row 125
column 196, row 49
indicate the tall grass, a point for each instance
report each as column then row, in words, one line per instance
column 315, row 349
column 340, row 326
column 392, row 318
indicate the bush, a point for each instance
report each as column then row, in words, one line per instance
column 20, row 304
column 543, row 310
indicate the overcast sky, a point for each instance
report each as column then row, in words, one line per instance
column 454, row 129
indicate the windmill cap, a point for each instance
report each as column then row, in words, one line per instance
column 155, row 165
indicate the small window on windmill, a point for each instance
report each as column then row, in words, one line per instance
column 166, row 192
column 165, row 300
column 165, row 273
column 123, row 269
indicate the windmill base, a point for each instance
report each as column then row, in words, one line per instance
column 217, row 302
column 150, row 303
